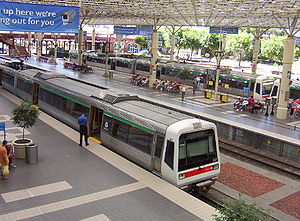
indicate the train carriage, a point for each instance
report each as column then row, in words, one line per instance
column 179, row 148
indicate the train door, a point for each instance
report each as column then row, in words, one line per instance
column 157, row 153
column 95, row 122
column 35, row 94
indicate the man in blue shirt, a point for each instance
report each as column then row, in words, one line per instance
column 82, row 121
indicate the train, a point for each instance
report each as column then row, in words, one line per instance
column 237, row 83
column 175, row 146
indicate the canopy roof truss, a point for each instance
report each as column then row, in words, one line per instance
column 233, row 13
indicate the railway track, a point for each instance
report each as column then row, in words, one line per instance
column 263, row 158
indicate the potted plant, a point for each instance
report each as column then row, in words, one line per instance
column 24, row 115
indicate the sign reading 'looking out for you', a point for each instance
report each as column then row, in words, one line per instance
column 26, row 17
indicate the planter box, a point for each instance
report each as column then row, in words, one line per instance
column 19, row 147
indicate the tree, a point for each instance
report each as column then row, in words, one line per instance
column 273, row 48
column 24, row 115
column 142, row 41
column 239, row 45
column 241, row 211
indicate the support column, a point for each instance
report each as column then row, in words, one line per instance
column 172, row 55
column 39, row 46
column 94, row 40
column 80, row 46
column 255, row 53
column 29, row 39
column 153, row 61
column 119, row 39
column 284, row 92
column 218, row 69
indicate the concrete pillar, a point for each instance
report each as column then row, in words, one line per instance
column 218, row 69
column 29, row 39
column 80, row 46
column 284, row 92
column 153, row 61
column 255, row 54
column 172, row 56
column 94, row 40
column 119, row 39
column 39, row 46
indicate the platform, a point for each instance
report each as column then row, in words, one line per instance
column 267, row 189
column 85, row 183
column 194, row 103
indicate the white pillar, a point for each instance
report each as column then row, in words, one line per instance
column 153, row 62
column 284, row 92
column 39, row 46
column 94, row 40
column 255, row 54
column 119, row 39
column 172, row 57
column 80, row 46
column 217, row 75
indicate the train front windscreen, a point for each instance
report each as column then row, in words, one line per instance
column 197, row 149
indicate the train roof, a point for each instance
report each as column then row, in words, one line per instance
column 127, row 106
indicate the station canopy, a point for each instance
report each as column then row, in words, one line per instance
column 222, row 13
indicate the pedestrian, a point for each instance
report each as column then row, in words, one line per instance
column 83, row 129
column 4, row 161
column 194, row 86
column 201, row 83
column 183, row 91
column 10, row 155
column 198, row 81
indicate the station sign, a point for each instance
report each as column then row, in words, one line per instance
column 223, row 30
column 144, row 30
column 28, row 17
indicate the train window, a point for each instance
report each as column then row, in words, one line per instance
column 8, row 79
column 196, row 149
column 24, row 86
column 67, row 106
column 140, row 139
column 257, row 90
column 120, row 130
column 159, row 145
column 56, row 101
column 169, row 158
column 78, row 109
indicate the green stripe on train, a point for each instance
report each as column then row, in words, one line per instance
column 130, row 123
column 69, row 98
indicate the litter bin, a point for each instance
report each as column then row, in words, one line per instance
column 207, row 94
column 31, row 154
column 224, row 97
column 110, row 74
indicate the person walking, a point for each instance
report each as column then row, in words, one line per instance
column 183, row 91
column 195, row 85
column 83, row 130
column 10, row 155
column 4, row 161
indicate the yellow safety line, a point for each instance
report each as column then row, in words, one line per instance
column 96, row 140
column 36, row 106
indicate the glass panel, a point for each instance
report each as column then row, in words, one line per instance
column 120, row 130
column 197, row 149
column 169, row 158
column 140, row 139
column 257, row 88
column 107, row 122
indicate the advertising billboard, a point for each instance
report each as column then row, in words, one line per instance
column 27, row 17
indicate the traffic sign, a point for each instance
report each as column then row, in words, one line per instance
column 224, row 30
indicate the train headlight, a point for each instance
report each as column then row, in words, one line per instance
column 216, row 166
column 181, row 176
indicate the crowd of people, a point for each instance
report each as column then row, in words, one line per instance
column 244, row 104
column 140, row 80
column 294, row 108
column 6, row 159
